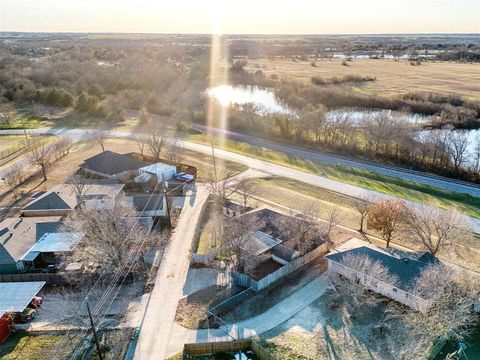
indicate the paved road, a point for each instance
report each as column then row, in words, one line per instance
column 259, row 324
column 255, row 164
column 160, row 314
column 397, row 172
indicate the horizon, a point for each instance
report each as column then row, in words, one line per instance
column 251, row 17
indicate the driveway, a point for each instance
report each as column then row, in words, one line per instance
column 160, row 314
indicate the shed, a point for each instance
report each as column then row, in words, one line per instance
column 161, row 172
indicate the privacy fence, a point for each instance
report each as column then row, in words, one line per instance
column 248, row 282
column 193, row 351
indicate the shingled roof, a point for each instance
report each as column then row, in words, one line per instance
column 111, row 163
column 406, row 269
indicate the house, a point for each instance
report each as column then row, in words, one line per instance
column 49, row 252
column 62, row 199
column 33, row 244
column 16, row 296
column 109, row 164
column 404, row 266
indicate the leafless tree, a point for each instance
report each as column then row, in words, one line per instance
column 8, row 114
column 435, row 228
column 476, row 155
column 41, row 156
column 99, row 137
column 13, row 178
column 62, row 147
column 157, row 140
column 79, row 185
column 371, row 271
column 223, row 185
column 236, row 243
column 333, row 216
column 245, row 187
column 174, row 153
column 363, row 206
column 457, row 147
column 304, row 228
column 140, row 138
column 452, row 295
column 110, row 234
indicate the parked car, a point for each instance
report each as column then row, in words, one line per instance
column 36, row 302
column 25, row 316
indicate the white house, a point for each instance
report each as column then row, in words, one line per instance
column 406, row 268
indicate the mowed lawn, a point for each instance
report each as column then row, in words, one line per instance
column 393, row 77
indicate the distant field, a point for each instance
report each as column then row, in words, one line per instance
column 392, row 77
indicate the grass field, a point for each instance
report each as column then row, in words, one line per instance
column 8, row 141
column 392, row 77
column 409, row 190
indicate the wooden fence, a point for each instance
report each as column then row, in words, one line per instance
column 49, row 278
column 191, row 351
column 247, row 281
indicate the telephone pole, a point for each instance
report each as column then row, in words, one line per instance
column 94, row 331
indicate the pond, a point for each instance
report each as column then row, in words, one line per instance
column 264, row 98
column 267, row 102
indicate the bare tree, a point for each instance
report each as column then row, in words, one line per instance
column 476, row 155
column 457, row 147
column 333, row 216
column 157, row 140
column 452, row 295
column 245, row 187
column 371, row 272
column 110, row 234
column 236, row 243
column 141, row 139
column 223, row 185
column 435, row 228
column 363, row 206
column 79, row 185
column 13, row 178
column 303, row 228
column 41, row 156
column 387, row 217
column 62, row 147
column 174, row 153
column 8, row 115
column 99, row 137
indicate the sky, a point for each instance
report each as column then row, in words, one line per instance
column 242, row 16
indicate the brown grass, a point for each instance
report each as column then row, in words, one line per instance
column 392, row 77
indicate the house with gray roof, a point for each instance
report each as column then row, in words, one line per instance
column 405, row 267
column 109, row 164
column 62, row 199
column 18, row 235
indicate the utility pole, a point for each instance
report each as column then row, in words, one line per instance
column 94, row 331
column 165, row 194
column 214, row 161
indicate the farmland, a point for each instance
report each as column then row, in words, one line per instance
column 392, row 77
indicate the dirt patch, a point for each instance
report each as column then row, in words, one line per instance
column 263, row 269
column 192, row 310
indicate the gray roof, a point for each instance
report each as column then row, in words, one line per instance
column 20, row 234
column 64, row 197
column 111, row 163
column 406, row 269
column 49, row 201
column 17, row 295
column 145, row 203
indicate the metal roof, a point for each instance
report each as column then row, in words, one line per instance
column 17, row 295
column 56, row 242
column 259, row 242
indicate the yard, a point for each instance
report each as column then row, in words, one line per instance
column 392, row 77
column 66, row 166
column 323, row 332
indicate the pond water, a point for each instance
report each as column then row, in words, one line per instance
column 264, row 98
column 267, row 102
